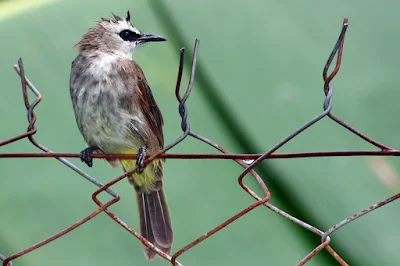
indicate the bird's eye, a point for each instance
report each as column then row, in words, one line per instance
column 128, row 35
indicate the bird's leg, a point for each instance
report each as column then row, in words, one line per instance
column 141, row 156
column 86, row 155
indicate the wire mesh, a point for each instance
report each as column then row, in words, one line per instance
column 247, row 161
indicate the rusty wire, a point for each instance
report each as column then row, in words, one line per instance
column 247, row 161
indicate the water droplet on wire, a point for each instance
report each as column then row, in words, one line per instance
column 248, row 162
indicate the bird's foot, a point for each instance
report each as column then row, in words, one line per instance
column 141, row 156
column 86, row 155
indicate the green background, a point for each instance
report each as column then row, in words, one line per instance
column 259, row 78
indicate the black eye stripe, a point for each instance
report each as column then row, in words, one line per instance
column 128, row 35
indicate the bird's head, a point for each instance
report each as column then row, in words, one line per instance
column 117, row 36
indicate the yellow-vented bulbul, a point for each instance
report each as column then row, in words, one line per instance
column 116, row 113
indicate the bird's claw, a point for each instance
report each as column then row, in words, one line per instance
column 141, row 156
column 86, row 155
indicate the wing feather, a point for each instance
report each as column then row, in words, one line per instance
column 146, row 101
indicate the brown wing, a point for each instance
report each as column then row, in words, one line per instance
column 149, row 106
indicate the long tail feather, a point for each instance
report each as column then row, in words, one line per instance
column 155, row 221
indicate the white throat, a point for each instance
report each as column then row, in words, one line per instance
column 102, row 64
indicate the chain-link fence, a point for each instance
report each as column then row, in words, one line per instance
column 247, row 161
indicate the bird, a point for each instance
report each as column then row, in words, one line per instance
column 116, row 113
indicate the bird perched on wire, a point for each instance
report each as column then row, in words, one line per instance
column 116, row 113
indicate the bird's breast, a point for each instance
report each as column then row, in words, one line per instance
column 102, row 114
column 107, row 112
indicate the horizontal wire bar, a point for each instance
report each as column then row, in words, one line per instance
column 211, row 155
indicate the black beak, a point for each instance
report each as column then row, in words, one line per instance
column 150, row 37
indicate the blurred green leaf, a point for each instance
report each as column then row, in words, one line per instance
column 10, row 8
